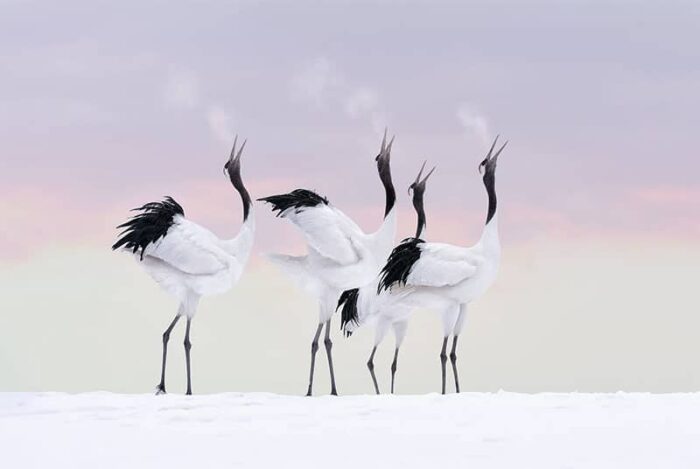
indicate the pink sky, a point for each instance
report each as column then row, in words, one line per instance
column 597, row 101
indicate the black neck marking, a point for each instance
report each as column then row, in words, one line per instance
column 235, row 176
column 420, row 211
column 490, row 183
column 384, row 169
column 349, row 314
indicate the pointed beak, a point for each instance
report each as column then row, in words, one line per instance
column 388, row 147
column 493, row 145
column 415, row 183
column 385, row 150
column 235, row 157
column 491, row 158
column 494, row 158
column 420, row 183
column 425, row 179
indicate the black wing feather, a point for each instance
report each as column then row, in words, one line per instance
column 348, row 300
column 399, row 264
column 151, row 224
column 296, row 199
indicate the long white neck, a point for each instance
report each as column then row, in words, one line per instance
column 383, row 238
column 241, row 245
column 489, row 236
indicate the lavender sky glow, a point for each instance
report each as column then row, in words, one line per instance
column 108, row 105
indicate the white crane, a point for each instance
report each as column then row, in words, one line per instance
column 340, row 255
column 442, row 277
column 374, row 307
column 185, row 259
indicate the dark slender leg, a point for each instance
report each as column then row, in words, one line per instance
column 370, row 365
column 453, row 359
column 160, row 389
column 329, row 345
column 443, row 361
column 188, row 346
column 314, row 349
column 393, row 368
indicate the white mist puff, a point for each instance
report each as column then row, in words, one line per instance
column 474, row 123
column 361, row 101
column 182, row 90
column 220, row 124
column 321, row 84
column 314, row 81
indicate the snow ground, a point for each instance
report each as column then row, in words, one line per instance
column 502, row 430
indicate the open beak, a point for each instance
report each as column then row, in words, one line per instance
column 385, row 150
column 418, row 183
column 235, row 157
column 491, row 158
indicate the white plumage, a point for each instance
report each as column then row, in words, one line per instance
column 191, row 261
column 439, row 276
column 185, row 259
column 364, row 305
column 340, row 255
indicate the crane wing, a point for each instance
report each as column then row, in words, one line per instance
column 190, row 248
column 328, row 231
column 441, row 265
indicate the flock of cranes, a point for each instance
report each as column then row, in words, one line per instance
column 369, row 278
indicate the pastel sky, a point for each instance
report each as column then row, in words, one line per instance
column 107, row 105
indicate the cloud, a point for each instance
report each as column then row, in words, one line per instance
column 314, row 82
column 474, row 123
column 220, row 124
column 182, row 90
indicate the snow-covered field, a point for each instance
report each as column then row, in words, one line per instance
column 471, row 430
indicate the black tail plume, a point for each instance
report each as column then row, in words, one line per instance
column 399, row 264
column 296, row 199
column 148, row 226
column 349, row 315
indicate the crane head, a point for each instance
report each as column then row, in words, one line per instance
column 488, row 165
column 234, row 161
column 418, row 186
column 233, row 164
column 384, row 155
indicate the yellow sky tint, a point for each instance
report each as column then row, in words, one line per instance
column 563, row 316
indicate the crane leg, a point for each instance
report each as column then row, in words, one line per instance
column 393, row 368
column 443, row 362
column 329, row 345
column 370, row 366
column 160, row 389
column 453, row 359
column 188, row 346
column 314, row 349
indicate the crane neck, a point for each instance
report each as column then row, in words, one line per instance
column 385, row 235
column 420, row 211
column 489, row 236
column 490, row 184
column 384, row 169
column 237, row 182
